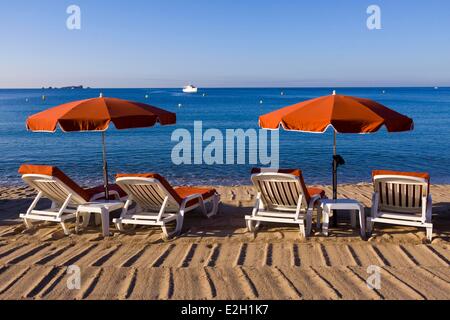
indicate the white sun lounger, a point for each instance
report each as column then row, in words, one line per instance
column 283, row 198
column 65, row 194
column 158, row 204
column 401, row 198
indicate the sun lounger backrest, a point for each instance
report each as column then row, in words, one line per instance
column 401, row 192
column 149, row 191
column 280, row 191
column 53, row 189
column 53, row 183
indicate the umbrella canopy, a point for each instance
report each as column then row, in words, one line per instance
column 344, row 114
column 96, row 115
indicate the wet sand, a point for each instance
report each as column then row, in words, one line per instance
column 219, row 259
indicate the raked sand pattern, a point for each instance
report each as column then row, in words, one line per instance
column 218, row 259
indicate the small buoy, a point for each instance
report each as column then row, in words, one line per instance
column 146, row 96
column 43, row 97
column 261, row 102
column 204, row 94
column 180, row 105
column 435, row 88
column 384, row 92
column 334, row 92
column 282, row 93
column 26, row 100
column 101, row 95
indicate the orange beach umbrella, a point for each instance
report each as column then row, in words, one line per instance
column 96, row 115
column 344, row 114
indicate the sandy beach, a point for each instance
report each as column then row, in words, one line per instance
column 219, row 259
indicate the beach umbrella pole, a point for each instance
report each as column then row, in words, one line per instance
column 105, row 168
column 334, row 221
column 337, row 161
column 334, row 167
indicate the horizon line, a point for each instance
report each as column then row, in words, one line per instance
column 228, row 87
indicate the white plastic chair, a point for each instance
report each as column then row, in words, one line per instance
column 401, row 199
column 65, row 200
column 158, row 204
column 283, row 198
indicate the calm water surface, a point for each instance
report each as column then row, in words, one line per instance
column 427, row 148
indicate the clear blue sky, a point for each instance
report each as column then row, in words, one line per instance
column 168, row 43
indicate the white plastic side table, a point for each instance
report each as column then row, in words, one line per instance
column 101, row 208
column 328, row 205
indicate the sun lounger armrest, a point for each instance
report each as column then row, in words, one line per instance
column 191, row 197
column 314, row 199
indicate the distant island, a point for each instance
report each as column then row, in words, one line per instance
column 67, row 88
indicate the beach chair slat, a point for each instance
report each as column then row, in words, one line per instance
column 389, row 193
column 140, row 197
column 285, row 193
column 288, row 194
column 269, row 194
column 152, row 195
column 50, row 192
column 147, row 198
column 58, row 192
column 276, row 193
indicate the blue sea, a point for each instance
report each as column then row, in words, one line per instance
column 427, row 148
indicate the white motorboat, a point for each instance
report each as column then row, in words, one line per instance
column 190, row 89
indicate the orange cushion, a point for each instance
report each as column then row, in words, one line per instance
column 185, row 192
column 57, row 173
column 316, row 191
column 309, row 192
column 422, row 175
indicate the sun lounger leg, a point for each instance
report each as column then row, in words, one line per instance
column 66, row 230
column 308, row 221
column 430, row 233
column 319, row 216
column 250, row 226
column 28, row 223
column 166, row 234
column 178, row 227
column 325, row 222
column 215, row 206
column 253, row 226
column 302, row 230
column 119, row 224
column 369, row 226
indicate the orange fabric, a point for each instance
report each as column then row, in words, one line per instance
column 96, row 115
column 178, row 193
column 309, row 192
column 316, row 191
column 185, row 192
column 57, row 173
column 422, row 175
column 346, row 114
